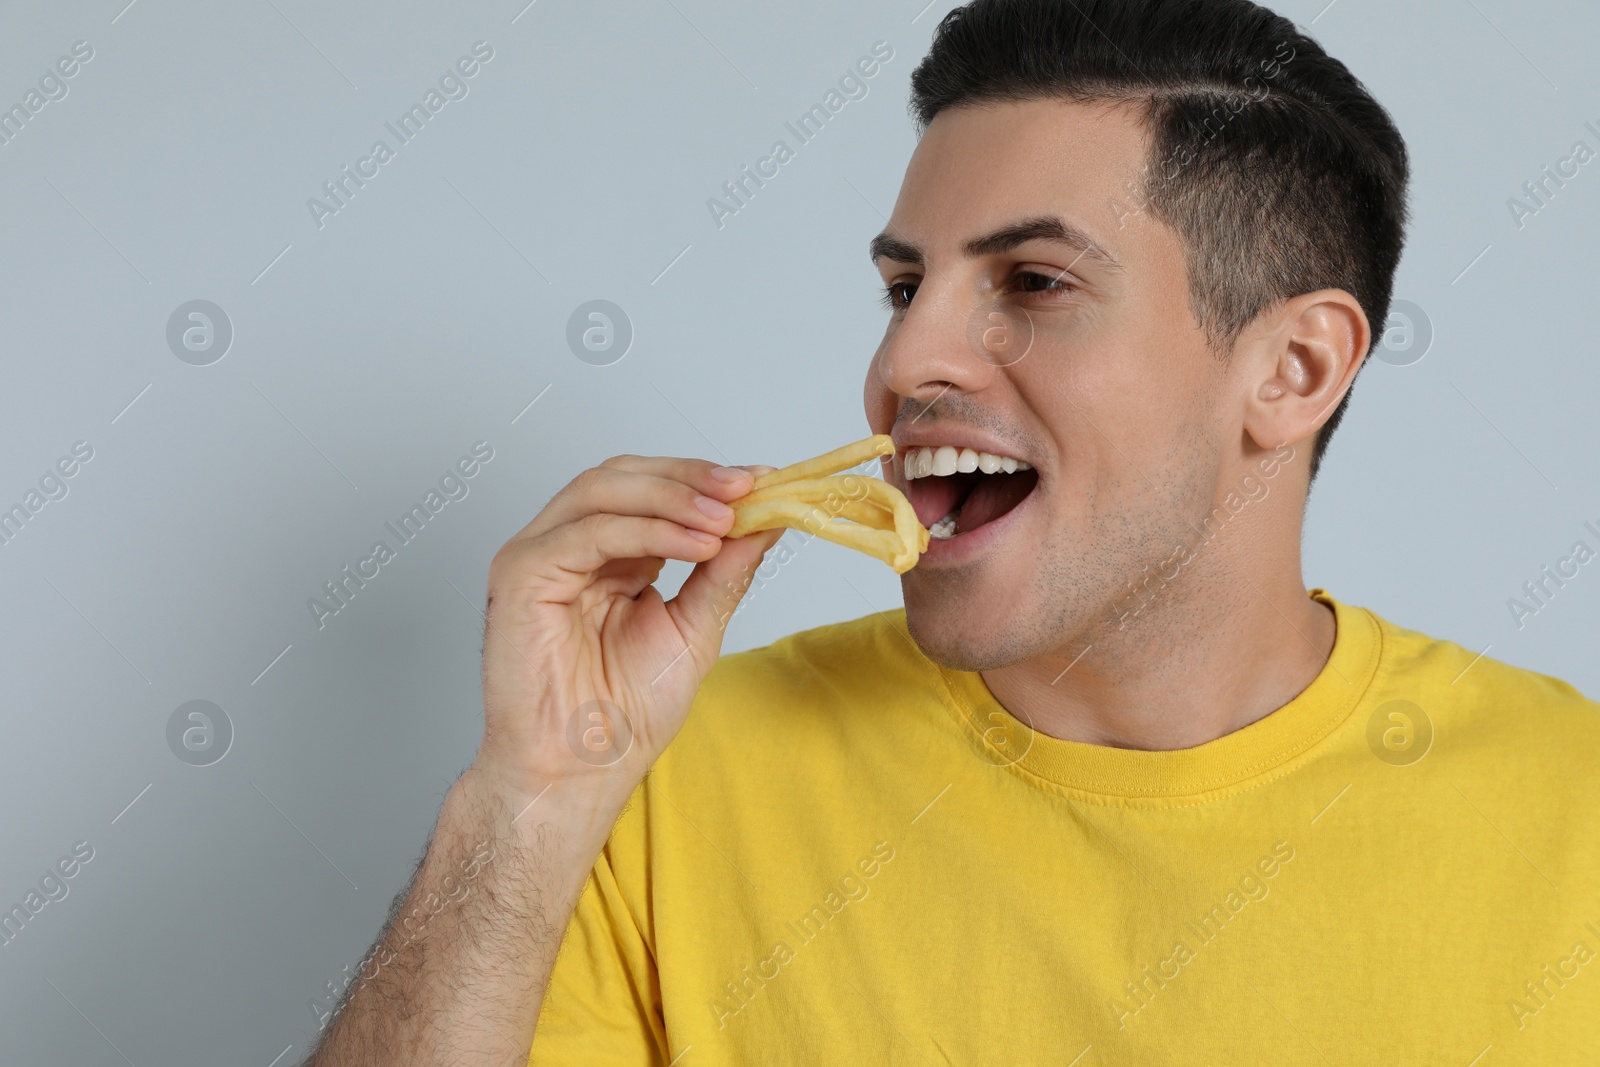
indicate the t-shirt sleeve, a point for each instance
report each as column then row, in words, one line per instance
column 603, row 1003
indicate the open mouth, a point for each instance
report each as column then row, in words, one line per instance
column 957, row 490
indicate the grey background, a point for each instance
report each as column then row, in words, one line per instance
column 370, row 354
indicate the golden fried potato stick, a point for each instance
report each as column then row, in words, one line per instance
column 880, row 543
column 875, row 524
column 834, row 493
column 840, row 459
column 857, row 511
column 865, row 512
column 797, row 515
column 870, row 514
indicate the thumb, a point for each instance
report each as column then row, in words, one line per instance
column 708, row 597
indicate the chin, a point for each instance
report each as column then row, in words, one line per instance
column 962, row 631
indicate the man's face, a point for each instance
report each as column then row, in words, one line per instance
column 1083, row 361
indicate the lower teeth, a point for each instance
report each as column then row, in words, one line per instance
column 945, row 528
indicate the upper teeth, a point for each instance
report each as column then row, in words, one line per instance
column 947, row 459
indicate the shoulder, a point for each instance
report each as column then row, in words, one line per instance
column 1473, row 698
column 854, row 659
column 830, row 694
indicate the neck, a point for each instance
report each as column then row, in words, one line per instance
column 1212, row 654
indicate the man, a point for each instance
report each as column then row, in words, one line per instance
column 1113, row 788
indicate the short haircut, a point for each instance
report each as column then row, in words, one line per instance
column 1270, row 160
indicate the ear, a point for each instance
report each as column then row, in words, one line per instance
column 1301, row 364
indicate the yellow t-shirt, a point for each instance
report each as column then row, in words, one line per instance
column 852, row 855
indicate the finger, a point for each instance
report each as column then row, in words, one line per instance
column 559, row 565
column 708, row 597
column 612, row 490
column 628, row 577
column 723, row 482
column 694, row 472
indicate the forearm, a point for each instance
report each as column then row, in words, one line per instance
column 461, row 968
column 575, row 636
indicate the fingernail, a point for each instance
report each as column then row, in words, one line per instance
column 729, row 474
column 712, row 509
column 703, row 537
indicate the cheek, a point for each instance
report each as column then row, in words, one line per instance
column 1155, row 387
column 1087, row 387
column 1122, row 414
column 877, row 398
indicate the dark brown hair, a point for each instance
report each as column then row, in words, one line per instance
column 1268, row 157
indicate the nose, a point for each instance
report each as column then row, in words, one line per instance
column 942, row 342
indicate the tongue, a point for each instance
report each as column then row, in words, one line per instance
column 992, row 497
column 933, row 498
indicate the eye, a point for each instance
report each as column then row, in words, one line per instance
column 1033, row 281
column 897, row 295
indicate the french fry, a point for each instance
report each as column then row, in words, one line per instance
column 870, row 518
column 880, row 543
column 853, row 497
column 840, row 459
column 770, row 514
column 839, row 487
column 860, row 512
column 797, row 515
column 863, row 511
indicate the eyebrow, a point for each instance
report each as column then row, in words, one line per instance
column 1006, row 238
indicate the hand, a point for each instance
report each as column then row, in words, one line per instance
column 579, row 644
